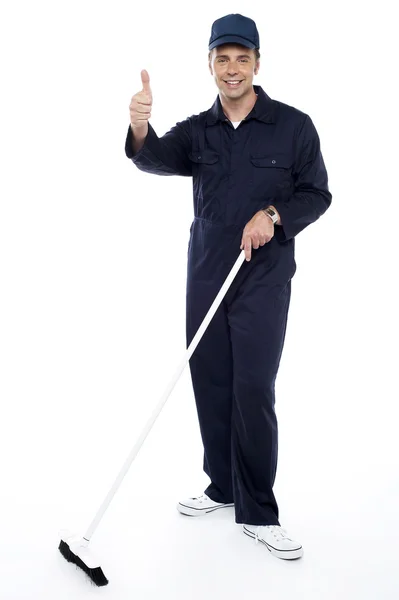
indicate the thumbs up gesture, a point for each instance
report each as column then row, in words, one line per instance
column 140, row 106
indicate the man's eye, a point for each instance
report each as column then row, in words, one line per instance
column 224, row 60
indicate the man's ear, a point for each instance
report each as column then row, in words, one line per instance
column 257, row 66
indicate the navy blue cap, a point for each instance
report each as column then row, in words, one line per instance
column 234, row 29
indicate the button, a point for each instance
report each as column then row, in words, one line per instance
column 273, row 162
column 199, row 157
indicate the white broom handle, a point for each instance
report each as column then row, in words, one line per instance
column 165, row 396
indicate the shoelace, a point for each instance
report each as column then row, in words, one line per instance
column 201, row 498
column 277, row 531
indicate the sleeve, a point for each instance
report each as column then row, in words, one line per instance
column 167, row 155
column 311, row 196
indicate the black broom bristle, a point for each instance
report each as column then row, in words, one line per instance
column 96, row 575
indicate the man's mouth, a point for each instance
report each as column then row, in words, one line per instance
column 233, row 83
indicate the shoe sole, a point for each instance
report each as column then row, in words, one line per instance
column 189, row 511
column 284, row 554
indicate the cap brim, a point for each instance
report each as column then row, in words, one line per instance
column 232, row 39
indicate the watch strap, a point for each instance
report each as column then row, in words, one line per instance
column 271, row 214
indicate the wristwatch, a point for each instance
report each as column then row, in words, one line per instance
column 270, row 212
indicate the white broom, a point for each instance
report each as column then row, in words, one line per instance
column 75, row 548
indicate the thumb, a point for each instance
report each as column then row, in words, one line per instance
column 145, row 80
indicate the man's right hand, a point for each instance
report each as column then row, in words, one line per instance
column 140, row 108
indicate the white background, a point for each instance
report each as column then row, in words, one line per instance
column 93, row 272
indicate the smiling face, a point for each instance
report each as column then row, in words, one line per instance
column 233, row 67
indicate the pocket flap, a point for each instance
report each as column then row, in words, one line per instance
column 207, row 157
column 275, row 160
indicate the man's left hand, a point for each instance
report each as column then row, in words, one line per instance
column 257, row 232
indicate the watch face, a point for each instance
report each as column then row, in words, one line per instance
column 272, row 214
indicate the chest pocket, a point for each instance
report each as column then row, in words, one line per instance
column 205, row 167
column 273, row 170
column 204, row 157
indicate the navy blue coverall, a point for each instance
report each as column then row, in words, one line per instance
column 272, row 157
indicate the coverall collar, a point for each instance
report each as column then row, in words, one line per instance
column 263, row 109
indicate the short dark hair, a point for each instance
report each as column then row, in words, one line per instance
column 256, row 50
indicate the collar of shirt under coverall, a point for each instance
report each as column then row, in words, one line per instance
column 263, row 109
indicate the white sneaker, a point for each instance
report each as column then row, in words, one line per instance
column 275, row 539
column 196, row 507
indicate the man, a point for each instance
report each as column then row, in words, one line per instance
column 258, row 180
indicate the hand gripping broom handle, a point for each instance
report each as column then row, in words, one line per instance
column 165, row 396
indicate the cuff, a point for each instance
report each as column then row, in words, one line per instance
column 150, row 138
column 285, row 231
